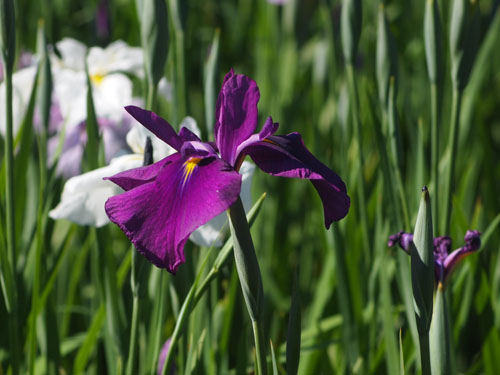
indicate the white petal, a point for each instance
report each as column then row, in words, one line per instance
column 112, row 94
column 70, row 88
column 83, row 197
column 209, row 234
column 72, row 55
column 22, row 84
column 118, row 56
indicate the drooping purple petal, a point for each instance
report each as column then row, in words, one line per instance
column 472, row 243
column 158, row 216
column 235, row 114
column 286, row 156
column 156, row 125
column 133, row 178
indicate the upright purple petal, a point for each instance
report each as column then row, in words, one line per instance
column 158, row 216
column 236, row 114
column 156, row 125
column 286, row 156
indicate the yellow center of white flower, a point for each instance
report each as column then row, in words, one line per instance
column 97, row 79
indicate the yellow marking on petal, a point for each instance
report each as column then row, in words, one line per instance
column 97, row 79
column 189, row 166
column 269, row 141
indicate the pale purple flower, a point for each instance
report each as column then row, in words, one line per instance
column 113, row 135
column 165, row 202
column 163, row 357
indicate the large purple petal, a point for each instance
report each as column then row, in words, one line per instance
column 236, row 114
column 133, row 178
column 286, row 156
column 158, row 216
column 156, row 125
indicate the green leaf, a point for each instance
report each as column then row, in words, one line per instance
column 294, row 329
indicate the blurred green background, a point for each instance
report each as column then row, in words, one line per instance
column 354, row 318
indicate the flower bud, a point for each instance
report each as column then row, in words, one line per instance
column 422, row 264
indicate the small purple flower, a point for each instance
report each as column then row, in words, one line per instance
column 165, row 202
column 444, row 261
column 401, row 238
column 163, row 357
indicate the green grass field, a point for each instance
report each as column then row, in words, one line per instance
column 412, row 104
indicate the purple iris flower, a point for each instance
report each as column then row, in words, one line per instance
column 165, row 202
column 444, row 261
column 163, row 357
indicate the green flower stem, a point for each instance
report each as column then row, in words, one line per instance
column 9, row 197
column 159, row 321
column 440, row 336
column 133, row 335
column 37, row 277
column 452, row 147
column 425, row 358
column 151, row 97
column 250, row 278
column 435, row 153
column 260, row 351
column 137, row 287
column 361, row 190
